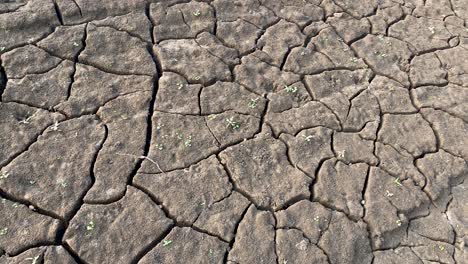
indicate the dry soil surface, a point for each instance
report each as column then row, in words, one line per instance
column 234, row 131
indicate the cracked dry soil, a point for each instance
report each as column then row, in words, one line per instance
column 234, row 131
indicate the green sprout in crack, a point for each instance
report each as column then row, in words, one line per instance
column 180, row 85
column 167, row 242
column 54, row 127
column 4, row 175
column 34, row 260
column 188, row 141
column 253, row 103
column 90, row 226
column 197, row 13
column 398, row 222
column 397, row 182
column 233, row 124
column 159, row 146
column 3, row 231
column 211, row 117
column 354, row 60
column 290, row 89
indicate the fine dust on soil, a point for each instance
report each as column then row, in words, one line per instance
column 234, row 131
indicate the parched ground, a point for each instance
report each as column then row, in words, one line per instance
column 234, row 131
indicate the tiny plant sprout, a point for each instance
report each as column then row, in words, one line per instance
column 308, row 138
column 441, row 247
column 76, row 44
column 4, row 175
column 233, row 124
column 197, row 78
column 167, row 242
column 180, row 85
column 54, row 126
column 90, row 226
column 34, row 260
column 398, row 222
column 397, row 182
column 354, row 60
column 188, row 141
column 197, row 13
column 253, row 103
column 290, row 88
column 210, row 252
column 211, row 117
column 159, row 146
column 3, row 231
column 388, row 193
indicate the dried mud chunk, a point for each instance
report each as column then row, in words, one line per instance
column 348, row 27
column 457, row 212
column 398, row 163
column 44, row 90
column 29, row 59
column 255, row 238
column 20, row 126
column 93, row 88
column 389, row 203
column 328, row 42
column 297, row 11
column 346, row 241
column 65, row 42
column 309, row 148
column 185, row 245
column 261, row 77
column 27, row 24
column 451, row 99
column 351, row 148
column 258, row 167
column 177, row 96
column 384, row 17
column 221, row 217
column 216, row 48
column 310, row 115
column 309, row 217
column 213, row 99
column 239, row 34
column 442, row 171
column 451, row 131
column 116, row 51
column 248, row 10
column 386, row 56
column 189, row 59
column 45, row 254
column 292, row 96
column 361, row 9
column 177, row 141
column 340, row 186
column 409, row 133
column 79, row 11
column 454, row 61
column 292, row 247
column 94, row 230
column 180, row 21
column 307, row 61
column 278, row 39
column 435, row 226
column 364, row 109
column 54, row 173
column 424, row 34
column 395, row 256
column 124, row 116
column 230, row 127
column 185, row 193
column 426, row 69
column 22, row 228
column 437, row 9
column 331, row 82
column 392, row 97
column 134, row 23
column 428, row 250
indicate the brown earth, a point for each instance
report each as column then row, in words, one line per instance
column 234, row 131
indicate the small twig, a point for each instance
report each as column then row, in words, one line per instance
column 143, row 157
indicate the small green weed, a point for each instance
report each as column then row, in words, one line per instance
column 90, row 226
column 167, row 242
column 253, row 103
column 290, row 89
column 233, row 124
